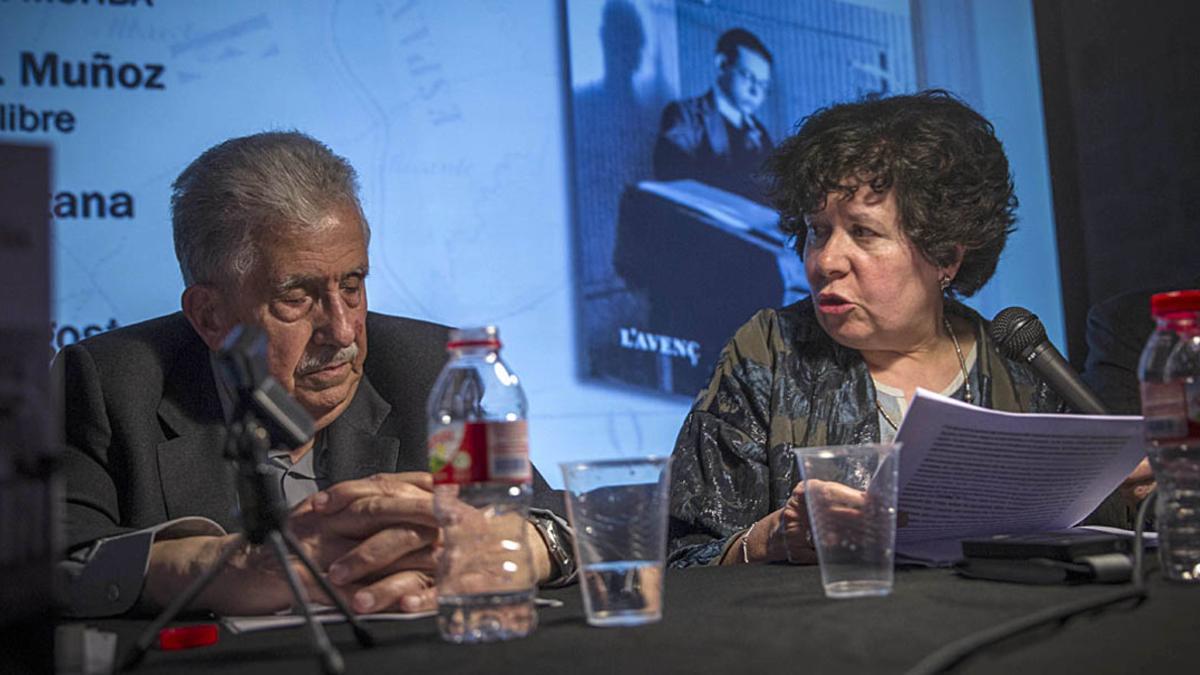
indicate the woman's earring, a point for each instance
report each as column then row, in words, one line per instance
column 944, row 282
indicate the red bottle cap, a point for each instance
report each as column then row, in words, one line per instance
column 186, row 637
column 466, row 338
column 1174, row 302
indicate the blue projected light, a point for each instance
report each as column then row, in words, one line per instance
column 463, row 126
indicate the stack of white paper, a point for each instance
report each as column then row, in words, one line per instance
column 967, row 471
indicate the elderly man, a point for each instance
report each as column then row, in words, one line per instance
column 268, row 231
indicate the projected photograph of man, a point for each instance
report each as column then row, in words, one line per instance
column 715, row 138
column 674, row 108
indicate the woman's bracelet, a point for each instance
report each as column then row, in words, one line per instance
column 746, row 543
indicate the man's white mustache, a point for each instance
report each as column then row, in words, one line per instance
column 310, row 363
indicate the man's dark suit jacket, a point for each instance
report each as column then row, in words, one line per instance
column 145, row 428
column 145, row 434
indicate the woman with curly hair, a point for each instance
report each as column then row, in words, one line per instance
column 897, row 206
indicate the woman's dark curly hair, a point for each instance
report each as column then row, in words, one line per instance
column 941, row 157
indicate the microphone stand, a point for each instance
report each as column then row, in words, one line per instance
column 264, row 520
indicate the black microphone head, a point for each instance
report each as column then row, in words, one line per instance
column 242, row 361
column 288, row 423
column 1016, row 331
column 243, row 357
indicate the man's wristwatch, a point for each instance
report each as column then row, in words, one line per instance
column 558, row 546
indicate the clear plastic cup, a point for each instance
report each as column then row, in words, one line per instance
column 850, row 491
column 618, row 509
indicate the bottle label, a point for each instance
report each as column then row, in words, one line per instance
column 480, row 452
column 1164, row 408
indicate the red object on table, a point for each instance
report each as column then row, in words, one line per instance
column 187, row 637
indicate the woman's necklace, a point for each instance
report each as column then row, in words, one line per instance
column 962, row 365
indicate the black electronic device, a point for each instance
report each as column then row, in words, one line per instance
column 1076, row 555
column 1066, row 545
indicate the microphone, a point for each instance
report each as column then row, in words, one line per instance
column 1021, row 336
column 243, row 363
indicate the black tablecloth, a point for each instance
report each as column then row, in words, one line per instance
column 764, row 619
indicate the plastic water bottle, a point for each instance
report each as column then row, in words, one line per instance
column 479, row 457
column 1170, row 382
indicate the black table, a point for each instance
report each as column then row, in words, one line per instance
column 764, row 619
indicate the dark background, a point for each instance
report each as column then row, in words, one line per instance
column 1121, row 91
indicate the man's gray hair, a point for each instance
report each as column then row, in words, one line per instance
column 235, row 192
